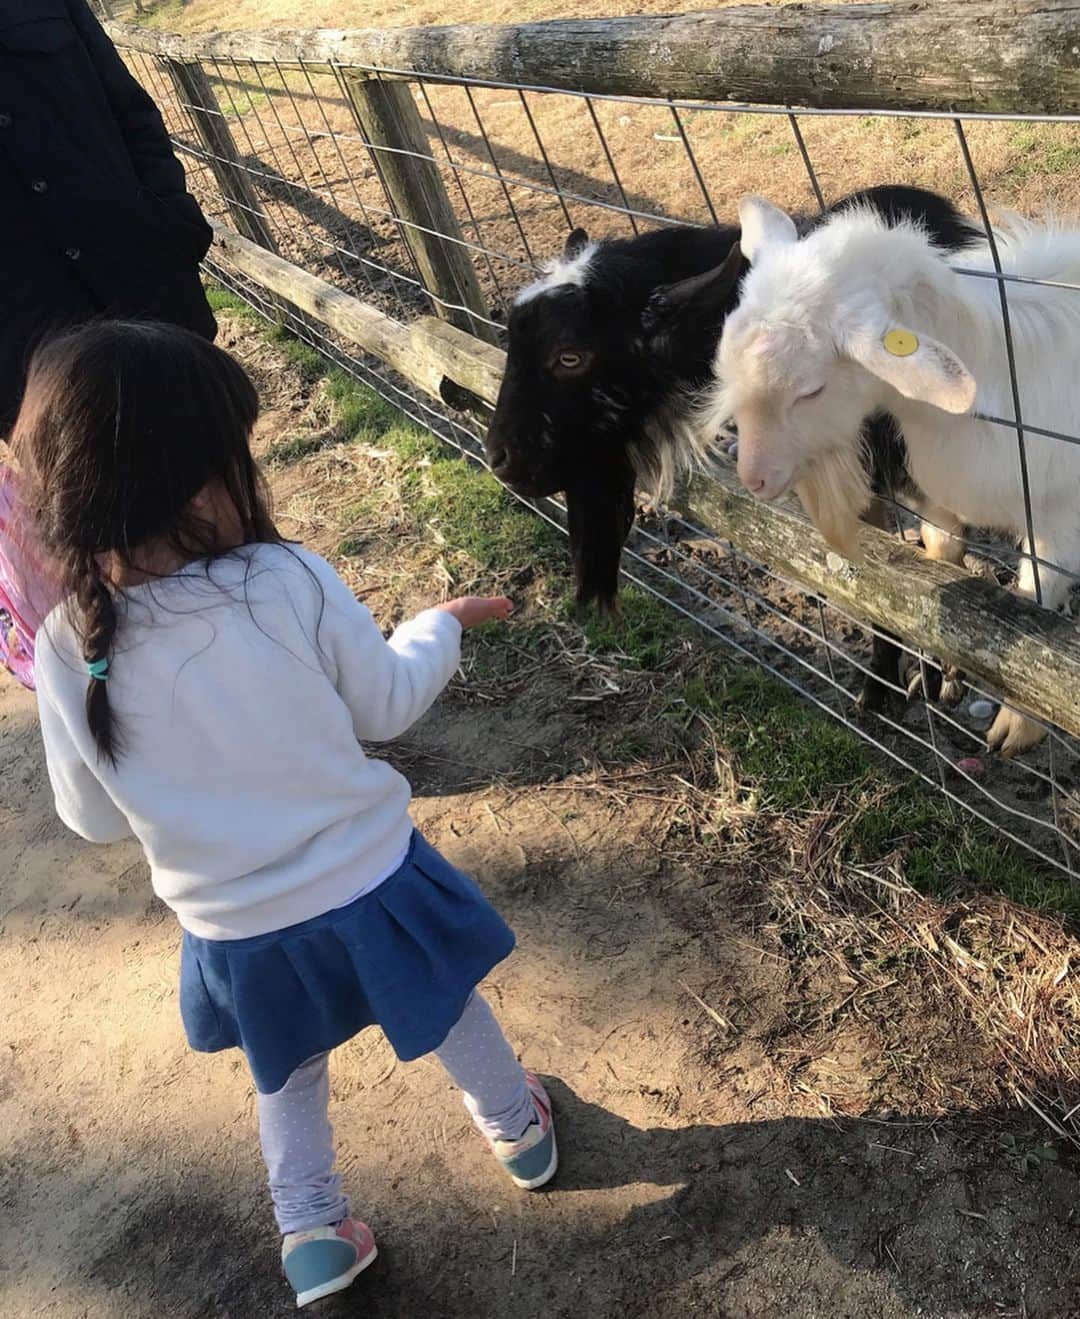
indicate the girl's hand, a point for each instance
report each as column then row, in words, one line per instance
column 471, row 610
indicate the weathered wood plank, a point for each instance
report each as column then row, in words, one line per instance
column 984, row 55
column 360, row 324
column 390, row 124
column 473, row 366
column 1026, row 654
column 426, row 352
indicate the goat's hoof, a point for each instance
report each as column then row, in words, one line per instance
column 952, row 690
column 1012, row 732
column 877, row 698
column 921, row 681
column 920, row 688
column 928, row 682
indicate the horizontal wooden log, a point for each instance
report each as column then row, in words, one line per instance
column 474, row 366
column 1026, row 654
column 426, row 352
column 984, row 55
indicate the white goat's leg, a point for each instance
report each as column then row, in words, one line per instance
column 1013, row 732
column 942, row 534
column 943, row 540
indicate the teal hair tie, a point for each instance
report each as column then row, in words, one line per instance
column 98, row 668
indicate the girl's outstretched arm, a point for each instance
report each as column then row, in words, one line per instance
column 389, row 684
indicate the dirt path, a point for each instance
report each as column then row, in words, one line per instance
column 769, row 1102
column 132, row 1178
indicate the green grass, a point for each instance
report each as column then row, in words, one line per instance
column 795, row 758
column 644, row 629
column 1043, row 152
column 799, row 760
column 284, row 452
column 225, row 300
column 478, row 517
column 308, row 361
column 459, row 501
column 358, row 410
column 236, row 102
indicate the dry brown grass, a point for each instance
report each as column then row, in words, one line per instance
column 221, row 15
column 1003, row 977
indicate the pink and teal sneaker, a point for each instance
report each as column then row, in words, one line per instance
column 324, row 1260
column 533, row 1159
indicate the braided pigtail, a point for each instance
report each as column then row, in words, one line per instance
column 97, row 628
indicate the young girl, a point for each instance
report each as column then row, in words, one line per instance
column 206, row 687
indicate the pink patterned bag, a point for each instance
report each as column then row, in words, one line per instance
column 28, row 587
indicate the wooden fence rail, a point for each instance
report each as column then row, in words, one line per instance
column 976, row 57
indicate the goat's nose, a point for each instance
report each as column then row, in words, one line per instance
column 498, row 457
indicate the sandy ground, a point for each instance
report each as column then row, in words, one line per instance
column 133, row 1187
column 751, row 1124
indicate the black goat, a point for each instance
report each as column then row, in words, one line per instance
column 607, row 352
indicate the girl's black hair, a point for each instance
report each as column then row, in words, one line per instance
column 122, row 424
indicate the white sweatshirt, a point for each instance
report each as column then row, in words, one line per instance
column 239, row 700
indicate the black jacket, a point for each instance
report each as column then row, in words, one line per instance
column 94, row 215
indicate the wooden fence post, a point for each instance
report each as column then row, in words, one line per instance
column 388, row 118
column 197, row 97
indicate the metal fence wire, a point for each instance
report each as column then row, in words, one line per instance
column 523, row 165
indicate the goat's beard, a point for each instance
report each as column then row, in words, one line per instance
column 835, row 494
column 673, row 443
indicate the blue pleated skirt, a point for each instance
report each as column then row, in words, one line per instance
column 405, row 957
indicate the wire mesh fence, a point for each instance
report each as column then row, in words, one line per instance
column 312, row 159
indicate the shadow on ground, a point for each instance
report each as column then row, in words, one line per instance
column 839, row 1218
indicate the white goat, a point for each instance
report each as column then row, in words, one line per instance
column 856, row 317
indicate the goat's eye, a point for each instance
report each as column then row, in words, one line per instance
column 571, row 362
column 814, row 393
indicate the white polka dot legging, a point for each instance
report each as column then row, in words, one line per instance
column 297, row 1139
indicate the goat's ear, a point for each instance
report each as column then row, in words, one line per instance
column 762, row 224
column 600, row 513
column 916, row 366
column 701, row 298
column 575, row 244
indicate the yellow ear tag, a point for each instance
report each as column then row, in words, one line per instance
column 901, row 343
